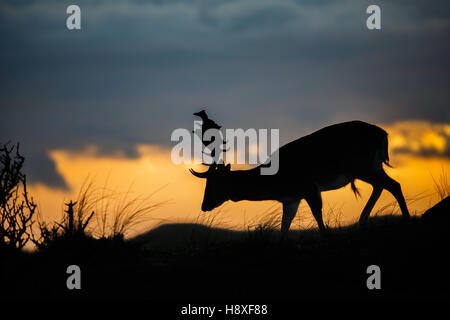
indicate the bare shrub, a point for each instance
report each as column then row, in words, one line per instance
column 17, row 208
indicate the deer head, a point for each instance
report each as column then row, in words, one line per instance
column 216, row 190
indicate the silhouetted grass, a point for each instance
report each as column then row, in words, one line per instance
column 115, row 215
column 442, row 184
column 120, row 213
column 252, row 264
column 202, row 261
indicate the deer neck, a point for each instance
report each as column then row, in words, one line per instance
column 245, row 185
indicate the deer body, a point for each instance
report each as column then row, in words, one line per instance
column 327, row 159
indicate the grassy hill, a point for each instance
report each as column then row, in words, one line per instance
column 189, row 261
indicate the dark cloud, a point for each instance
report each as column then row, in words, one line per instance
column 138, row 69
column 424, row 152
column 267, row 17
column 43, row 169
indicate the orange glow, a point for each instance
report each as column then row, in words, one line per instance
column 153, row 170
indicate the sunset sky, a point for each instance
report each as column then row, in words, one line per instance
column 102, row 102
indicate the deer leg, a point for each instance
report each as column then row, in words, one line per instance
column 289, row 212
column 314, row 201
column 394, row 187
column 376, row 192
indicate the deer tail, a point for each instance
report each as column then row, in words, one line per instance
column 385, row 150
column 355, row 189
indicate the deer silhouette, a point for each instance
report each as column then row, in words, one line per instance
column 327, row 159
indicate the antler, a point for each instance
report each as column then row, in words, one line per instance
column 205, row 174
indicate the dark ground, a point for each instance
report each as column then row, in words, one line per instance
column 247, row 266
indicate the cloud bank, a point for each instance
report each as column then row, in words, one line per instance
column 138, row 69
